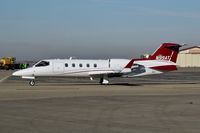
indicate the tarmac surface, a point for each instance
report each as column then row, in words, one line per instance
column 168, row 103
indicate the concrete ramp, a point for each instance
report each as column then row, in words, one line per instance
column 5, row 75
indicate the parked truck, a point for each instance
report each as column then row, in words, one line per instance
column 9, row 63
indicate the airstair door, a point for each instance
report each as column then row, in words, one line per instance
column 58, row 67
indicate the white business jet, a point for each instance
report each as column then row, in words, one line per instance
column 163, row 60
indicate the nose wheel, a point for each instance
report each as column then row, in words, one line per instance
column 32, row 83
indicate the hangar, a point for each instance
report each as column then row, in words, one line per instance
column 189, row 57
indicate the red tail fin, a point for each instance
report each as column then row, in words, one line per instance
column 167, row 51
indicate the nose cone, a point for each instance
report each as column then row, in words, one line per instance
column 25, row 72
column 17, row 73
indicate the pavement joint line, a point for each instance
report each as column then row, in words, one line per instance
column 3, row 79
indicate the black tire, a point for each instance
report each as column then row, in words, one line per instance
column 32, row 82
column 101, row 81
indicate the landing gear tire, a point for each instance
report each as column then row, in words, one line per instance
column 101, row 81
column 32, row 83
column 104, row 81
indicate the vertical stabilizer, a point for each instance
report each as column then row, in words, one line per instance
column 167, row 51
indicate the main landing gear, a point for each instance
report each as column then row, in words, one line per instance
column 32, row 82
column 104, row 81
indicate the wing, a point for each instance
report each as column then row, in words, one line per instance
column 109, row 73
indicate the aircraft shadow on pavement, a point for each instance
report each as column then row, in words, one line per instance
column 112, row 84
column 86, row 84
column 125, row 84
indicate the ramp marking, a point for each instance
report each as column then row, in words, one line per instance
column 3, row 79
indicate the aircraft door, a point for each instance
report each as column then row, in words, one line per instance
column 58, row 67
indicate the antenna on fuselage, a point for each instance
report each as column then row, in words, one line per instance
column 72, row 57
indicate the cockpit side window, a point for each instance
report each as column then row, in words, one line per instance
column 42, row 64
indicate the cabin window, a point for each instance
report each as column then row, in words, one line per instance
column 42, row 64
column 88, row 65
column 66, row 65
column 95, row 65
column 73, row 65
column 80, row 65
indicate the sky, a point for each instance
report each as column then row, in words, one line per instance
column 44, row 29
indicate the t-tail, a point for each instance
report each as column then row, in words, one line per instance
column 167, row 51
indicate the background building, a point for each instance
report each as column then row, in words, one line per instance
column 189, row 57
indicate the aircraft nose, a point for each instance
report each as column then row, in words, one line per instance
column 17, row 73
column 24, row 72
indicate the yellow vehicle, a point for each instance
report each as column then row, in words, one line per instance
column 7, row 63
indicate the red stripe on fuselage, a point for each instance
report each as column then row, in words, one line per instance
column 165, row 68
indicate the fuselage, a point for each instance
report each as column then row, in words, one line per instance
column 73, row 67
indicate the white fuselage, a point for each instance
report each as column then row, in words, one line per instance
column 74, row 67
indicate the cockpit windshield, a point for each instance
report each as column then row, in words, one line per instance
column 42, row 64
